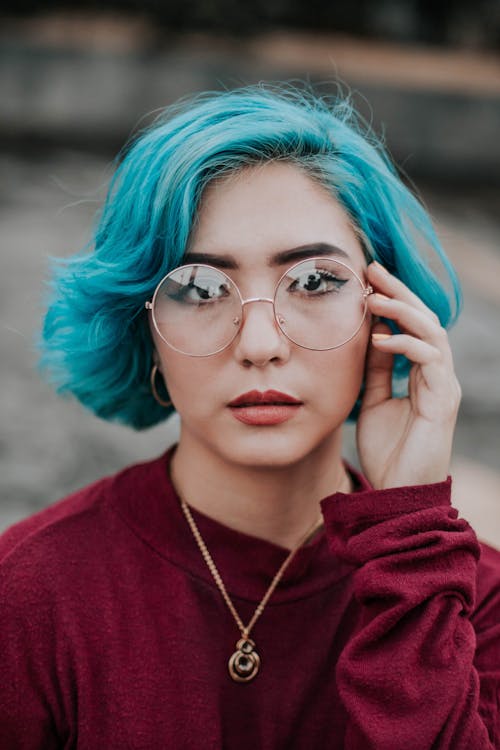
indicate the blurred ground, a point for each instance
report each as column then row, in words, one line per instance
column 48, row 196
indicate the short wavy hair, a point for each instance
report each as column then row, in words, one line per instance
column 96, row 343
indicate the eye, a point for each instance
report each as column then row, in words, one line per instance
column 200, row 292
column 205, row 291
column 316, row 282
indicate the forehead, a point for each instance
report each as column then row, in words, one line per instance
column 265, row 210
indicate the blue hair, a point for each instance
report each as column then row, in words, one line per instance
column 96, row 342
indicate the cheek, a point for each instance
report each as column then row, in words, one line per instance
column 180, row 372
column 187, row 379
column 355, row 355
column 339, row 373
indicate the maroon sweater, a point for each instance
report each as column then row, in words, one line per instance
column 384, row 633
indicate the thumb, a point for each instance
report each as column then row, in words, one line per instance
column 378, row 371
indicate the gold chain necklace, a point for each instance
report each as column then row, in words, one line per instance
column 245, row 662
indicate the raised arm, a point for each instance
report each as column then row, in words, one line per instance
column 407, row 678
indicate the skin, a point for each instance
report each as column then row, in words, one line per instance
column 414, row 434
column 267, row 481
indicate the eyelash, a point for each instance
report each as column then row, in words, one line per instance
column 326, row 276
column 190, row 287
column 183, row 295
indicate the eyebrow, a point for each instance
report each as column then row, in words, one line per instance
column 279, row 259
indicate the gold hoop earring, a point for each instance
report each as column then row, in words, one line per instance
column 156, row 395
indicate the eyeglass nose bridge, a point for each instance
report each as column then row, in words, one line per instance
column 244, row 302
column 256, row 299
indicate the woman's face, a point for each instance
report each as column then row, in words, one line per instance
column 245, row 221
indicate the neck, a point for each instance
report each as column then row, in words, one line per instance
column 278, row 504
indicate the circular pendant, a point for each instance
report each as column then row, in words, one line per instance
column 245, row 662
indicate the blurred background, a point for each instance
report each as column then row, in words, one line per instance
column 76, row 80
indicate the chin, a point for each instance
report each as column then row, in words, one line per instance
column 272, row 450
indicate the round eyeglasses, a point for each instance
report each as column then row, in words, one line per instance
column 319, row 304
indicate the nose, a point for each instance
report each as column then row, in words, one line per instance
column 260, row 339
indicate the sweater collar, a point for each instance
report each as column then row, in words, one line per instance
column 145, row 498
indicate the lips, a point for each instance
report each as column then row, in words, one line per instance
column 266, row 398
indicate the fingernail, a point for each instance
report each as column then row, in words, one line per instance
column 380, row 336
column 380, row 266
column 381, row 296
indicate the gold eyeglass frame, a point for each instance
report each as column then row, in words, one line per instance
column 366, row 290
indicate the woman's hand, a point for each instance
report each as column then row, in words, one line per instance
column 405, row 441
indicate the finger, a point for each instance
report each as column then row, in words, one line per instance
column 435, row 370
column 378, row 372
column 411, row 320
column 388, row 284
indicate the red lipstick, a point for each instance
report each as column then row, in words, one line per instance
column 264, row 408
column 252, row 398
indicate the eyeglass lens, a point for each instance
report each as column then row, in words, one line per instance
column 318, row 304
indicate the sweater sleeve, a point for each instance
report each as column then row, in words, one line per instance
column 407, row 677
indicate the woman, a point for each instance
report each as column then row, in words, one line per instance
column 257, row 267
